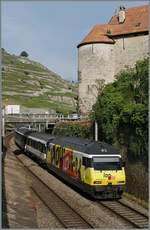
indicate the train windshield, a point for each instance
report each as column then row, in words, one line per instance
column 106, row 163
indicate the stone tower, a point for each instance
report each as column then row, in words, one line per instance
column 109, row 48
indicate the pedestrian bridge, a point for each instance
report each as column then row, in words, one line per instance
column 41, row 122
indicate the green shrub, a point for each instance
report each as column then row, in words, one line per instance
column 76, row 129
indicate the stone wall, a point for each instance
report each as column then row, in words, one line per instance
column 128, row 50
column 103, row 61
column 95, row 61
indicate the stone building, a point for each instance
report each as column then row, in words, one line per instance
column 108, row 49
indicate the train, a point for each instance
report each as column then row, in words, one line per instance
column 96, row 168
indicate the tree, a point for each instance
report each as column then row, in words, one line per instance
column 121, row 110
column 3, row 50
column 24, row 54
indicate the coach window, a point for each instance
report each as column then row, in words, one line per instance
column 36, row 145
column 32, row 143
column 41, row 147
column 43, row 150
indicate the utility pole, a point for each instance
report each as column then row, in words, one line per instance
column 96, row 131
column 3, row 128
column 3, row 123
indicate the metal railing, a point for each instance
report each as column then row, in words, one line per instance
column 41, row 117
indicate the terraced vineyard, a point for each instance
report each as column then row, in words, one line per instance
column 32, row 85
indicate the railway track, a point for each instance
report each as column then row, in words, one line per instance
column 68, row 217
column 133, row 216
column 64, row 213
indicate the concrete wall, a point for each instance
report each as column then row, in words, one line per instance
column 137, row 179
column 103, row 61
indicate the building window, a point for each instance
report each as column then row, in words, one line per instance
column 123, row 44
column 92, row 49
column 88, row 89
column 79, row 76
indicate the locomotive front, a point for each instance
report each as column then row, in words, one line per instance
column 108, row 176
column 103, row 171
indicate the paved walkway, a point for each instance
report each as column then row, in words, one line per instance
column 18, row 210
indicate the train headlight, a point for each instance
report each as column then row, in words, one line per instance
column 97, row 182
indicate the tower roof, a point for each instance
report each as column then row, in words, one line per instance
column 136, row 21
column 97, row 35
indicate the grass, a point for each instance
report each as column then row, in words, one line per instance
column 12, row 60
column 37, row 102
column 17, row 76
column 19, row 81
column 15, row 86
column 66, row 94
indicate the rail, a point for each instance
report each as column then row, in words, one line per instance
column 130, row 214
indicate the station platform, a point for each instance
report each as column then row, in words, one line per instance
column 18, row 210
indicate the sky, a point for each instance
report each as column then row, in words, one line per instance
column 49, row 31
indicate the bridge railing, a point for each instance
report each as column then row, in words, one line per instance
column 26, row 115
column 40, row 117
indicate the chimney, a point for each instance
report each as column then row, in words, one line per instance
column 122, row 15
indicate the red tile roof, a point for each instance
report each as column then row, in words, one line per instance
column 96, row 35
column 136, row 21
